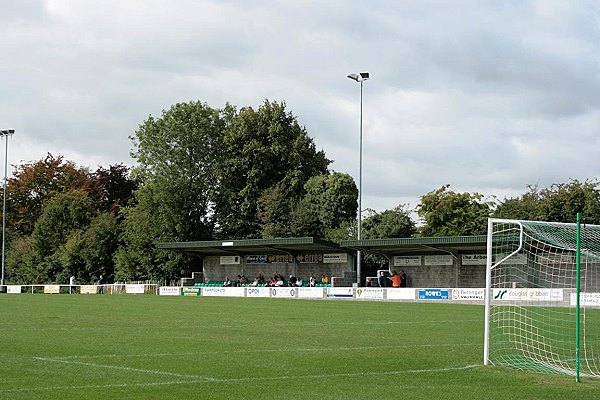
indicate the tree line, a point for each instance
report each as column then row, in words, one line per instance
column 204, row 173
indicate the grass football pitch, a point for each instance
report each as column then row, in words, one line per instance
column 151, row 347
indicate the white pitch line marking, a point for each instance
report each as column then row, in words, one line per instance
column 146, row 371
column 235, row 380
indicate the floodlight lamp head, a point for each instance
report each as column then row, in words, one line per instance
column 362, row 76
column 6, row 132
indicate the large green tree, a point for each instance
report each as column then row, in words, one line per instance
column 448, row 213
column 559, row 203
column 267, row 153
column 138, row 258
column 178, row 154
column 330, row 202
column 394, row 223
column 36, row 258
column 88, row 253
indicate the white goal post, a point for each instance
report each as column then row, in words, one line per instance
column 542, row 304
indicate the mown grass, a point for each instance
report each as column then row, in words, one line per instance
column 144, row 347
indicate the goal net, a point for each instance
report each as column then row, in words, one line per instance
column 535, row 317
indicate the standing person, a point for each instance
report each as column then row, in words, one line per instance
column 403, row 277
column 72, row 283
column 381, row 279
column 396, row 280
column 101, row 285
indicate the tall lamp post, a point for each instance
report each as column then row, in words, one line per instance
column 4, row 133
column 360, row 78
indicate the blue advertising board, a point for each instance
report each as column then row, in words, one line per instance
column 257, row 259
column 433, row 294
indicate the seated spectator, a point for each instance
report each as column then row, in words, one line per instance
column 324, row 279
column 260, row 279
column 272, row 281
column 239, row 281
column 299, row 281
column 292, row 280
column 312, row 281
column 227, row 282
column 279, row 281
column 244, row 280
column 254, row 283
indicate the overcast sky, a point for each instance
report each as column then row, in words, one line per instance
column 488, row 96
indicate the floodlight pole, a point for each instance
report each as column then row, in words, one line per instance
column 6, row 133
column 361, row 77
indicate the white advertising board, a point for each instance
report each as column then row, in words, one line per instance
column 88, row 289
column 335, row 258
column 258, row 292
column 51, row 289
column 439, row 260
column 405, row 261
column 586, row 299
column 283, row 291
column 462, row 294
column 340, row 293
column 369, row 293
column 169, row 291
column 474, row 259
column 134, row 289
column 528, row 294
column 229, row 260
column 400, row 293
column 310, row 292
column 14, row 289
column 224, row 291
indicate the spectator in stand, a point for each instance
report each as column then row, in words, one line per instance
column 312, row 281
column 381, row 279
column 260, row 279
column 272, row 281
column 292, row 280
column 244, row 280
column 299, row 282
column 226, row 282
column 396, row 280
column 279, row 281
column 324, row 279
column 369, row 283
column 239, row 281
column 256, row 281
column 403, row 277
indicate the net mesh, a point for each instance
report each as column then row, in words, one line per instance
column 533, row 296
